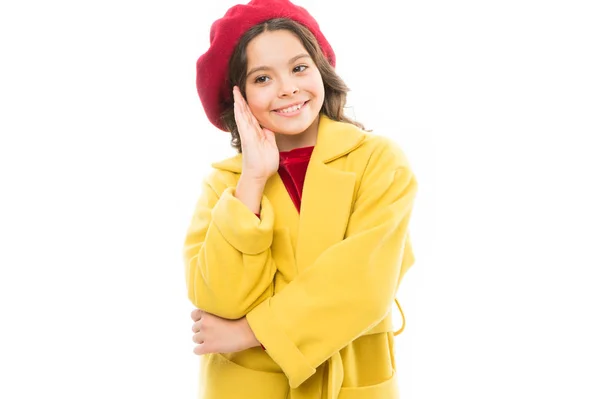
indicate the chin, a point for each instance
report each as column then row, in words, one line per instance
column 291, row 131
column 291, row 128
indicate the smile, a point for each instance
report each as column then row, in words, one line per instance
column 290, row 111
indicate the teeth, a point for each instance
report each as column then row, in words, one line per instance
column 291, row 109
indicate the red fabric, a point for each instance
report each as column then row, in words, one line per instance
column 292, row 170
column 212, row 67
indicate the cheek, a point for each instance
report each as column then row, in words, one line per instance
column 259, row 107
column 258, row 102
column 315, row 85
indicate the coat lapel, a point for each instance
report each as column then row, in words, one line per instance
column 328, row 192
column 326, row 196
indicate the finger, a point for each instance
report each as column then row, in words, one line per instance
column 245, row 115
column 197, row 326
column 238, row 109
column 270, row 136
column 238, row 97
column 246, row 126
column 258, row 128
column 197, row 314
column 201, row 349
column 198, row 338
column 243, row 105
column 240, row 123
column 251, row 119
column 244, row 110
column 237, row 113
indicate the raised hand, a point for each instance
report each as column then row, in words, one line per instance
column 260, row 155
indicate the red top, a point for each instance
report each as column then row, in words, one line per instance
column 292, row 170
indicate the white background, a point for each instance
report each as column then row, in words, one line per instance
column 104, row 144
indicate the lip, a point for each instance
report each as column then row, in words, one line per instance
column 289, row 105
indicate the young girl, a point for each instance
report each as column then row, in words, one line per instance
column 298, row 243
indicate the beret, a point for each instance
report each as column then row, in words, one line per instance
column 212, row 74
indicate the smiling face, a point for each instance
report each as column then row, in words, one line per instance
column 284, row 88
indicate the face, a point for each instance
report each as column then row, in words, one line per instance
column 284, row 88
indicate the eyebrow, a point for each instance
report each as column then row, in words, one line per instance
column 292, row 60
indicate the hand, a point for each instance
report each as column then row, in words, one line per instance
column 217, row 335
column 260, row 155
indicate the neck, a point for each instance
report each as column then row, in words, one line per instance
column 307, row 138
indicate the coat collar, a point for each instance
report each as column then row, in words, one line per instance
column 334, row 139
column 327, row 194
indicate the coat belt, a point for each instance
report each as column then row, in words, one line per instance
column 335, row 376
column 335, row 368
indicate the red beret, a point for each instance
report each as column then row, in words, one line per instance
column 212, row 73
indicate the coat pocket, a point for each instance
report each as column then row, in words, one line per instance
column 223, row 379
column 385, row 390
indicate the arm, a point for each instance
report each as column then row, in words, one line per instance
column 351, row 286
column 227, row 255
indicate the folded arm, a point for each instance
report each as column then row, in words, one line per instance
column 227, row 252
column 351, row 286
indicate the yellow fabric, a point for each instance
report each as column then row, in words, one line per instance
column 317, row 288
column 397, row 332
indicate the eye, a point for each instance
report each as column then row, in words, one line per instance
column 300, row 66
column 261, row 79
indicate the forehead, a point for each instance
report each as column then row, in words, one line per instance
column 272, row 48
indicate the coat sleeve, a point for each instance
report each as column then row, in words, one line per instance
column 351, row 286
column 227, row 252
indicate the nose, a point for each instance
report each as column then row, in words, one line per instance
column 288, row 88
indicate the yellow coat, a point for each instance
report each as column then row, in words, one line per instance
column 318, row 287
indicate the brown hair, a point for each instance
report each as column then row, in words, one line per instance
column 335, row 88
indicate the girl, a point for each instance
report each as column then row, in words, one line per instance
column 298, row 243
